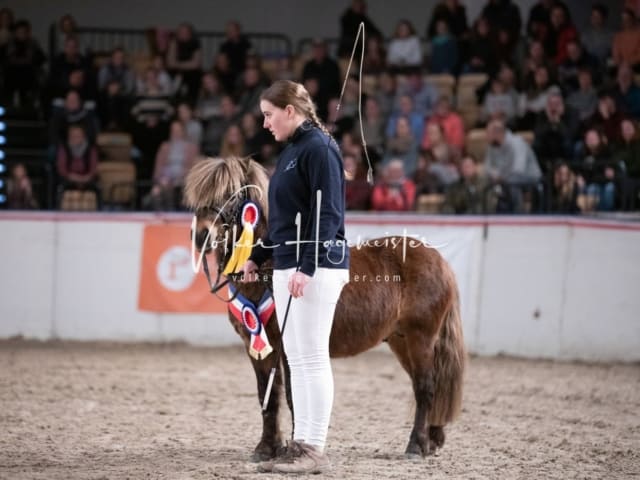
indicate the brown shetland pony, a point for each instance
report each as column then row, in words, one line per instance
column 418, row 317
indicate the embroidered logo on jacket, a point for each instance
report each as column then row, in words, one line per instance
column 292, row 164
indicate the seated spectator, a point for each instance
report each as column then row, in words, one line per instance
column 503, row 13
column 222, row 70
column 162, row 82
column 480, row 49
column 498, row 103
column 395, row 192
column 375, row 57
column 358, row 190
column 192, row 127
column 405, row 51
column 426, row 182
column 598, row 169
column 535, row 59
column 539, row 22
column 534, row 100
column 562, row 32
column 22, row 61
column 184, row 59
column 250, row 90
column 116, row 84
column 423, row 94
column 63, row 65
column 284, row 70
column 510, row 160
column 597, row 38
column 444, row 157
column 507, row 49
column 72, row 112
column 209, row 98
column 626, row 42
column 627, row 150
column 627, row 92
column 254, row 136
column 325, row 70
column 215, row 128
column 387, row 93
column 337, row 122
column 349, row 25
column 584, row 101
column 403, row 145
column 373, row 126
column 77, row 163
column 576, row 59
column 65, row 27
column 451, row 124
column 406, row 109
column 472, row 193
column 233, row 142
column 564, row 190
column 236, row 47
column 444, row 50
column 174, row 159
column 19, row 190
column 555, row 132
column 607, row 118
column 6, row 26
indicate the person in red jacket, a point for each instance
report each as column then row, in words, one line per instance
column 562, row 32
column 395, row 192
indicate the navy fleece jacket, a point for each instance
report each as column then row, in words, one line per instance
column 309, row 163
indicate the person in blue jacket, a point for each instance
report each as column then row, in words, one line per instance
column 310, row 260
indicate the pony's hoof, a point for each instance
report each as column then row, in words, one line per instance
column 413, row 457
column 262, row 453
column 259, row 457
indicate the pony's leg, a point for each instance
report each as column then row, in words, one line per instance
column 270, row 444
column 287, row 389
column 415, row 351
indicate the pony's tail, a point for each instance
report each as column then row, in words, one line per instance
column 449, row 362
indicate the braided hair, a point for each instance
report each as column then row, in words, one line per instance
column 285, row 92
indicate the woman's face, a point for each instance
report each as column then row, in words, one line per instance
column 177, row 132
column 402, row 128
column 628, row 130
column 434, row 134
column 233, row 135
column 542, row 77
column 403, row 30
column 276, row 120
column 592, row 139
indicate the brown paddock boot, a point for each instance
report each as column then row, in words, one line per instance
column 291, row 451
column 310, row 460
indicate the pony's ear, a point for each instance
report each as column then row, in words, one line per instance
column 245, row 162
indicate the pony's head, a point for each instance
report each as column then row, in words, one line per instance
column 217, row 189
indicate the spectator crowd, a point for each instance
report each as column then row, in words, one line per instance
column 508, row 112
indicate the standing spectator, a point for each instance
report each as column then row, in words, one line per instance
column 562, row 32
column 236, row 46
column 209, row 101
column 19, row 190
column 349, row 25
column 626, row 42
column 584, row 101
column 405, row 51
column 453, row 14
column 627, row 92
column 556, row 131
column 597, row 38
column 66, row 27
column 503, row 13
column 451, row 123
column 174, row 159
column 627, row 153
column 116, row 84
column 395, row 192
column 403, row 145
column 22, row 61
column 472, row 193
column 184, row 59
column 444, row 50
column 539, row 22
column 358, row 190
column 510, row 160
column 326, row 72
column 77, row 163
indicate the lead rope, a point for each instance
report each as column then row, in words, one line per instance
column 344, row 85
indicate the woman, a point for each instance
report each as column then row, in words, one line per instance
column 308, row 178
column 405, row 50
column 77, row 163
column 233, row 142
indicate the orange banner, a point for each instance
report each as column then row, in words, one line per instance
column 167, row 280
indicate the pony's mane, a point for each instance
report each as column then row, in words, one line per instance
column 212, row 181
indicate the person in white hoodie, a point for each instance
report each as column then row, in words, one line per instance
column 405, row 51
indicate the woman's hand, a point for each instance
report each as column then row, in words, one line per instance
column 297, row 282
column 248, row 272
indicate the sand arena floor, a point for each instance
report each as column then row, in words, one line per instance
column 99, row 411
